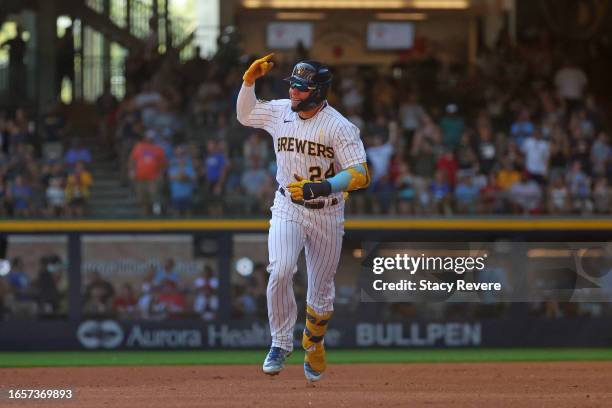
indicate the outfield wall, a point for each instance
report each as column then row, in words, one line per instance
column 196, row 335
column 114, row 248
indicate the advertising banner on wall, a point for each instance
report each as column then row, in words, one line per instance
column 111, row 334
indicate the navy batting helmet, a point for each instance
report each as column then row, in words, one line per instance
column 314, row 76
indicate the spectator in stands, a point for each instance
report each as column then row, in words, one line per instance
column 448, row 164
column 440, row 193
column 206, row 302
column 405, row 186
column 558, row 157
column 20, row 196
column 65, row 60
column 19, row 282
column 146, row 300
column 466, row 195
column 526, row 196
column 209, row 93
column 452, row 126
column 147, row 164
column 255, row 146
column 355, row 118
column 411, row 116
column 581, row 153
column 170, row 301
column 523, row 128
column 579, row 184
column 208, row 278
column 215, row 172
column 129, row 131
column 352, row 94
column 77, row 153
column 379, row 154
column 600, row 155
column 16, row 137
column 125, row 303
column 486, row 149
column 98, row 295
column 257, row 183
column 17, row 51
column 166, row 123
column 46, row 284
column 106, row 108
column 166, row 273
column 423, row 157
column 571, row 82
column 77, row 190
column 491, row 198
column 25, row 124
column 147, row 102
column 466, row 155
column 245, row 304
column 583, row 124
column 537, row 153
column 182, row 177
column 602, row 196
column 56, row 197
column 50, row 170
column 54, row 128
column 559, row 197
column 508, row 175
column 514, row 153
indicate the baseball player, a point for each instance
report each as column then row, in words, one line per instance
column 319, row 156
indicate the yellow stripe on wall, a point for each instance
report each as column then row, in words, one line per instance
column 484, row 224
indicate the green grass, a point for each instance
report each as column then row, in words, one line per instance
column 141, row 358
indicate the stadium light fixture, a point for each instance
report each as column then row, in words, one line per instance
column 401, row 16
column 358, row 4
column 244, row 266
column 287, row 15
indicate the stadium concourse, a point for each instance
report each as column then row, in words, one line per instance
column 522, row 132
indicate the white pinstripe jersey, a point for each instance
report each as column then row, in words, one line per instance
column 315, row 148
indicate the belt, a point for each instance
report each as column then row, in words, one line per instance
column 312, row 206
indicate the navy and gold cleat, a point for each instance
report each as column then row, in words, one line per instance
column 314, row 344
column 275, row 360
column 311, row 375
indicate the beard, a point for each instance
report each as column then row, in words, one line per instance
column 297, row 107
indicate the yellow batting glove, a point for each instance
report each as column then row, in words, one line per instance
column 296, row 189
column 308, row 190
column 258, row 68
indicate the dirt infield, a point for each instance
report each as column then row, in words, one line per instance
column 391, row 385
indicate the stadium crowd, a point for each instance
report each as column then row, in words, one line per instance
column 521, row 132
column 162, row 294
column 41, row 179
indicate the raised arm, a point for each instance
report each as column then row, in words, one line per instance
column 246, row 98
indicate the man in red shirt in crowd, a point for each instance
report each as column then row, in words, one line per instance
column 448, row 163
column 147, row 165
